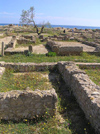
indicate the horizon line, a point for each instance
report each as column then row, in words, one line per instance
column 56, row 24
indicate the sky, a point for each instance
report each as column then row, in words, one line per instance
column 57, row 12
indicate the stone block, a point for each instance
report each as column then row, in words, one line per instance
column 17, row 104
column 86, row 92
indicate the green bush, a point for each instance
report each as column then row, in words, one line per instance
column 52, row 54
column 29, row 53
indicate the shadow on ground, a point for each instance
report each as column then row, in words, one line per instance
column 70, row 108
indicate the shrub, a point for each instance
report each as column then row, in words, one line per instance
column 29, row 53
column 52, row 54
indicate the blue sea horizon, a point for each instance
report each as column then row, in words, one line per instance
column 63, row 26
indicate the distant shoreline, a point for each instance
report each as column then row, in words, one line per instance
column 63, row 26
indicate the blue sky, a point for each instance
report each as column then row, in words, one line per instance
column 58, row 12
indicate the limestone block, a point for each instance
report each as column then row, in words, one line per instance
column 17, row 104
column 67, row 50
column 87, row 93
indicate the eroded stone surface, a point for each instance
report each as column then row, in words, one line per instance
column 28, row 67
column 65, row 49
column 86, row 92
column 17, row 105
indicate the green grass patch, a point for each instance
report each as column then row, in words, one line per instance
column 38, row 58
column 51, row 31
column 67, row 40
column 52, row 54
column 44, row 126
column 20, row 81
column 90, row 40
column 38, row 125
column 94, row 75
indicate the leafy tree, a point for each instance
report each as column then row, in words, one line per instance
column 27, row 17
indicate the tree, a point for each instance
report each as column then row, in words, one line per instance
column 27, row 17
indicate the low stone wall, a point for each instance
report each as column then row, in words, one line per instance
column 70, row 50
column 17, row 105
column 86, row 92
column 93, row 44
column 12, row 43
column 62, row 37
column 28, row 37
column 28, row 67
column 10, row 51
column 24, row 41
column 65, row 49
column 88, row 65
column 51, row 44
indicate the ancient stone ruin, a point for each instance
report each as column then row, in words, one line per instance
column 25, row 39
column 62, row 49
column 17, row 105
column 86, row 92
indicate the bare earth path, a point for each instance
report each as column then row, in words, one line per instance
column 38, row 49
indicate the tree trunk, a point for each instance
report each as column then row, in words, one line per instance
column 37, row 30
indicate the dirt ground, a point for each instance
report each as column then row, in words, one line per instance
column 38, row 49
column 6, row 40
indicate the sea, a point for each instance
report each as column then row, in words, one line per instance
column 63, row 26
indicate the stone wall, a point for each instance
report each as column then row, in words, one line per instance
column 86, row 92
column 17, row 104
column 70, row 50
column 25, row 39
column 29, row 67
column 88, row 65
column 61, row 49
column 22, row 40
column 12, row 43
column 93, row 44
column 29, row 37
